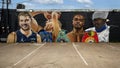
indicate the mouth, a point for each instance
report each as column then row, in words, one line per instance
column 77, row 25
column 25, row 26
column 97, row 25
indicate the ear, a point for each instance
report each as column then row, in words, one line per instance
column 18, row 21
column 72, row 22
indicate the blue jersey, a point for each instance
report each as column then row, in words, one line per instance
column 22, row 38
column 45, row 36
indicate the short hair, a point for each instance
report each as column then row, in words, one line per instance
column 78, row 15
column 25, row 14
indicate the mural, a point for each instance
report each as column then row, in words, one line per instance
column 25, row 26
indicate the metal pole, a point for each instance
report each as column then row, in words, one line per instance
column 7, row 16
column 2, row 16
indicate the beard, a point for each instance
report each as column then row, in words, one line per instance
column 98, row 26
column 78, row 26
column 25, row 27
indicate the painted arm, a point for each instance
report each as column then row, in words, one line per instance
column 11, row 38
column 38, row 38
column 34, row 25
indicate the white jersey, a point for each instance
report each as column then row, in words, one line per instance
column 103, row 36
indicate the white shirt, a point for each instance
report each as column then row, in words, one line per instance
column 103, row 36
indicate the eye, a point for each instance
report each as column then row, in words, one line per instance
column 76, row 19
column 21, row 20
column 27, row 20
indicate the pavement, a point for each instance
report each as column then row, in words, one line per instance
column 60, row 55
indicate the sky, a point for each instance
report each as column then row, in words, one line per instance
column 66, row 4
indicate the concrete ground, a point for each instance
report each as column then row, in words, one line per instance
column 60, row 55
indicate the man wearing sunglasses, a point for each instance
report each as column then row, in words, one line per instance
column 76, row 34
column 105, row 33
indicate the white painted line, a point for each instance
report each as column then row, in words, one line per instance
column 80, row 54
column 29, row 54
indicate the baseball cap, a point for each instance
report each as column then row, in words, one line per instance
column 100, row 14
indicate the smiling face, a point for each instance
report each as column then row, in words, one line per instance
column 25, row 22
column 78, row 21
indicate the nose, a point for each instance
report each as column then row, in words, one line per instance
column 78, row 22
column 25, row 21
column 94, row 22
